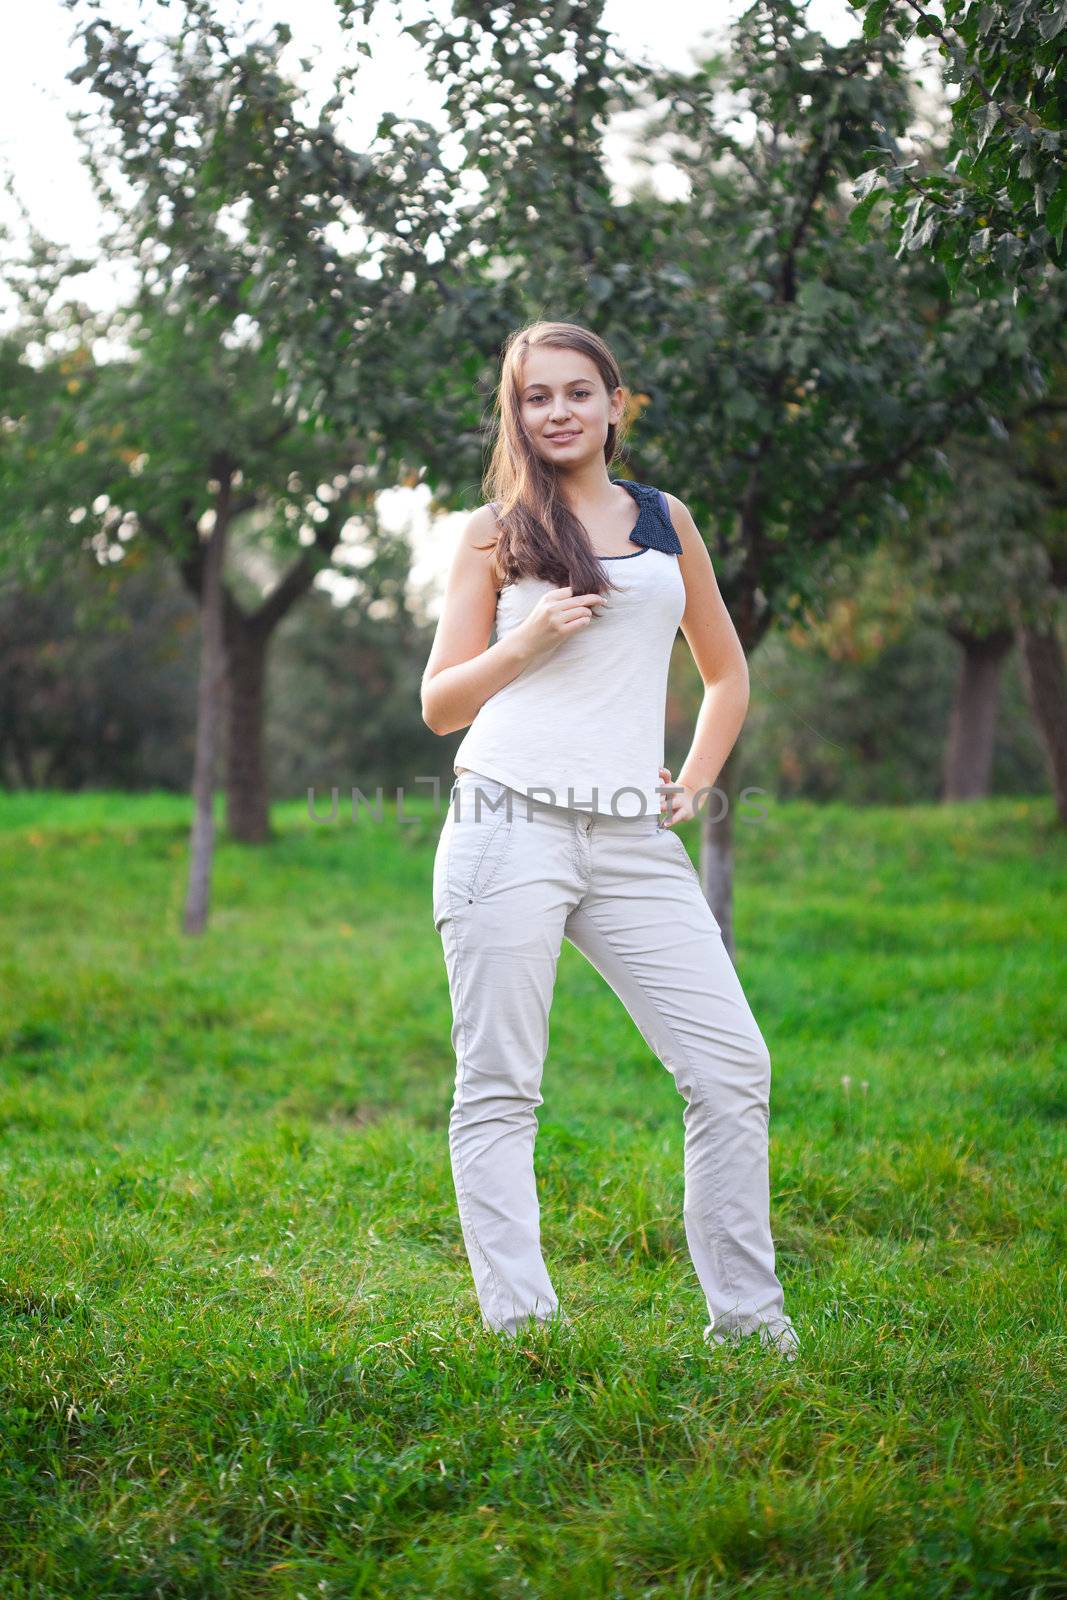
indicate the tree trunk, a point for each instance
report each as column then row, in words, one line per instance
column 716, row 848
column 245, row 641
column 209, row 712
column 247, row 805
column 1046, row 687
column 968, row 768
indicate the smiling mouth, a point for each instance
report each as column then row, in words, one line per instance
column 561, row 438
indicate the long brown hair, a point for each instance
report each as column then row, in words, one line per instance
column 539, row 534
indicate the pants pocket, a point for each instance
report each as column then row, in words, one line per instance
column 481, row 828
column 489, row 856
column 681, row 854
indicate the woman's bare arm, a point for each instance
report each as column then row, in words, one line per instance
column 461, row 672
column 718, row 653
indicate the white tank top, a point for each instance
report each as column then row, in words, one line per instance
column 583, row 726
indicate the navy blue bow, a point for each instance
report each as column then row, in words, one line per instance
column 654, row 526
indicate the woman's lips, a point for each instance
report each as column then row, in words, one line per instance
column 562, row 438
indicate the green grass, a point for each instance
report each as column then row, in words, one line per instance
column 241, row 1349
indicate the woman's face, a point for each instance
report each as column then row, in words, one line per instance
column 565, row 407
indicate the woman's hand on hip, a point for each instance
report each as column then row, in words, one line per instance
column 676, row 807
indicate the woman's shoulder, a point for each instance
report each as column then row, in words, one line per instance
column 481, row 531
column 483, row 519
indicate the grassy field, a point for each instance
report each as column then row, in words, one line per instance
column 241, row 1350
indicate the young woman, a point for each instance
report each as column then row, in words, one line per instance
column 560, row 825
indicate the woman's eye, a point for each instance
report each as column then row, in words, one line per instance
column 579, row 394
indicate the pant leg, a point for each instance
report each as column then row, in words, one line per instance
column 502, row 891
column 646, row 926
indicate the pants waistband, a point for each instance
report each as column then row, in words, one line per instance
column 499, row 799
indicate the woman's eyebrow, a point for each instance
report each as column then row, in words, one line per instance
column 569, row 385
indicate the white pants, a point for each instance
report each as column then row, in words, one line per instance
column 512, row 878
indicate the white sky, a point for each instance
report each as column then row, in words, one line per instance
column 39, row 150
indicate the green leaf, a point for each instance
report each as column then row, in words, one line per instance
column 1053, row 22
column 1020, row 193
column 872, row 22
column 1056, row 213
column 925, row 234
column 985, row 122
column 858, row 221
column 866, row 182
column 953, row 267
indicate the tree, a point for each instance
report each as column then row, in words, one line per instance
column 977, row 560
column 249, row 385
column 799, row 378
column 1037, row 438
column 994, row 209
column 182, row 443
column 535, row 227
